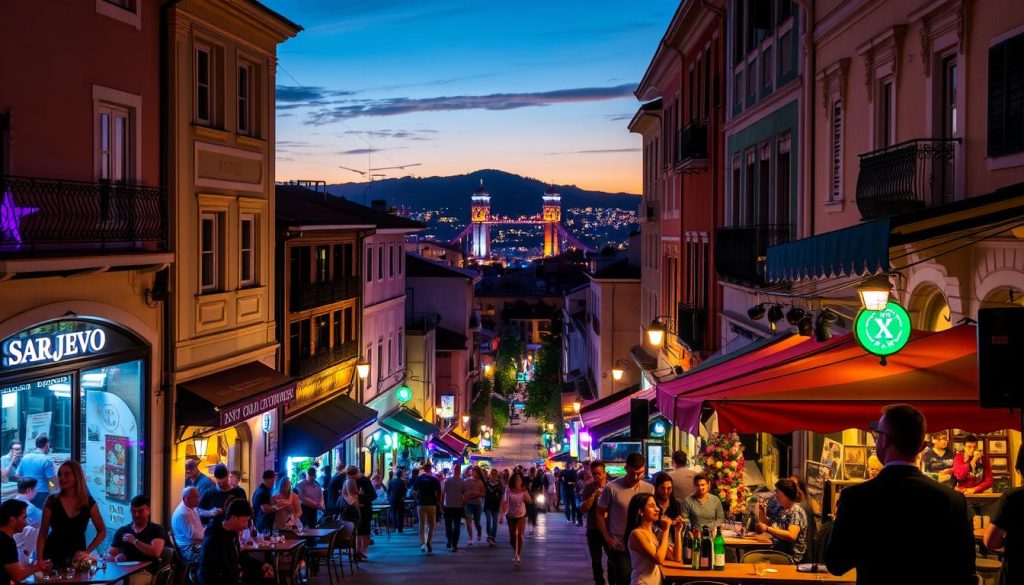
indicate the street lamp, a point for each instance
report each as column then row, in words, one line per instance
column 874, row 292
column 487, row 368
column 363, row 369
column 657, row 329
column 619, row 369
column 437, row 411
column 465, row 420
column 576, row 406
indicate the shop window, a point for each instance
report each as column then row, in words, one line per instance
column 247, row 250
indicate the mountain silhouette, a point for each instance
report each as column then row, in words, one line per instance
column 511, row 194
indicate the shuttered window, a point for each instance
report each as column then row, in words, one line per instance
column 1006, row 97
column 836, row 191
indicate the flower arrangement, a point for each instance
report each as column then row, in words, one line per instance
column 723, row 464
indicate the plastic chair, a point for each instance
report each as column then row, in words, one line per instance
column 771, row 556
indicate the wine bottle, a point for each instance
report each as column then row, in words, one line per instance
column 687, row 548
column 705, row 549
column 695, row 556
column 719, row 545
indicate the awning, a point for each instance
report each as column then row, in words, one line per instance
column 801, row 384
column 319, row 429
column 620, row 424
column 613, row 406
column 564, row 457
column 405, row 422
column 470, row 443
column 233, row 395
column 452, row 443
column 864, row 248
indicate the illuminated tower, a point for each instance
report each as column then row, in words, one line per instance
column 552, row 214
column 480, row 214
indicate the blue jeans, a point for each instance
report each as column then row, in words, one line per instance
column 492, row 523
column 473, row 513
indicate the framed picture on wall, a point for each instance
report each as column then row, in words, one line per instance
column 832, row 456
column 855, row 462
column 997, row 446
column 816, row 474
column 1000, row 465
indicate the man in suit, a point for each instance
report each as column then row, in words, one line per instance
column 902, row 526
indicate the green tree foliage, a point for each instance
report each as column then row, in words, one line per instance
column 544, row 391
column 510, row 353
column 499, row 409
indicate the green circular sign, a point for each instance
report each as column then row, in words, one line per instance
column 883, row 332
column 404, row 394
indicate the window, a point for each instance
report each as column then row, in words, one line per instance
column 245, row 99
column 401, row 260
column 707, row 83
column 209, row 252
column 764, row 194
column 836, row 187
column 323, row 270
column 390, row 355
column 886, row 113
column 1006, row 97
column 204, row 85
column 350, row 324
column 247, row 246
column 380, row 361
column 369, row 361
column 113, row 149
column 747, row 207
column 401, row 349
column 380, row 262
column 947, row 169
column 782, row 183
column 767, row 69
column 322, row 325
column 369, row 263
column 391, row 261
column 337, row 330
column 737, row 194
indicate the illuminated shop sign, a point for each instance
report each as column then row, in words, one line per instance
column 883, row 332
column 59, row 342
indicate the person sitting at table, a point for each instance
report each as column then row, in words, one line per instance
column 789, row 532
column 212, row 502
column 139, row 541
column 664, row 495
column 938, row 458
column 66, row 516
column 13, row 520
column 649, row 550
column 1009, row 518
column 286, row 502
column 186, row 525
column 221, row 561
column 972, row 470
column 703, row 509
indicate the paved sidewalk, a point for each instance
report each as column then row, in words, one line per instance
column 555, row 555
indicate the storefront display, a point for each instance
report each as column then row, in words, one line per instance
column 80, row 383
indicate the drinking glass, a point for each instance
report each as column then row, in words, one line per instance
column 761, row 568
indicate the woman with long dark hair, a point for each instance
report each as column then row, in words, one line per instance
column 649, row 549
column 789, row 531
column 667, row 502
column 66, row 516
column 513, row 507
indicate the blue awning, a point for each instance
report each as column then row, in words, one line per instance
column 854, row 251
column 405, row 422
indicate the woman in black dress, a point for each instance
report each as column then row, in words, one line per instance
column 66, row 516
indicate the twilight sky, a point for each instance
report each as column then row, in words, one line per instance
column 543, row 89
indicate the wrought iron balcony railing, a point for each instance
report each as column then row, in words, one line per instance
column 692, row 323
column 324, row 359
column 45, row 216
column 317, row 294
column 692, row 142
column 906, row 177
column 740, row 251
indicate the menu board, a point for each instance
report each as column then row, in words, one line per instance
column 117, row 468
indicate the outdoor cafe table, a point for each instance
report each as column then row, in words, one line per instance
column 286, row 545
column 744, row 573
column 112, row 574
column 316, row 532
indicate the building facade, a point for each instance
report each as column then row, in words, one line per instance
column 222, row 377
column 613, row 294
column 83, row 244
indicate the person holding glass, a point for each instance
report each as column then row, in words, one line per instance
column 971, row 469
column 66, row 516
column 789, row 532
column 286, row 504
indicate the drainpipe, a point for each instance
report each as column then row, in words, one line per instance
column 807, row 141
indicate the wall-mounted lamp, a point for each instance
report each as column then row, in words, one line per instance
column 874, row 292
column 363, row 369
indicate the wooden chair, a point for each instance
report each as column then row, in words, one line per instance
column 771, row 556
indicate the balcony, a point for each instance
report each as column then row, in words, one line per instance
column 692, row 146
column 48, row 218
column 318, row 294
column 321, row 360
column 740, row 251
column 906, row 177
column 692, row 322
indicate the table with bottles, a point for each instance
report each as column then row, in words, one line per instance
column 748, row 573
column 105, row 573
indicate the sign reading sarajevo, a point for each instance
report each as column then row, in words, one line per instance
column 60, row 341
column 883, row 332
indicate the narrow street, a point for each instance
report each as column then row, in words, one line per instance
column 555, row 555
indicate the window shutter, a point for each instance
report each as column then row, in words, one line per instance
column 996, row 95
column 837, row 151
column 1006, row 97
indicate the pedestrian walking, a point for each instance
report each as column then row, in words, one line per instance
column 427, row 492
column 612, row 513
column 534, row 486
column 513, row 508
column 475, row 491
column 595, row 542
column 454, row 490
column 492, row 505
column 396, row 498
column 568, row 486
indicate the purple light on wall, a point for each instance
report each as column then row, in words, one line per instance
column 10, row 218
column 585, row 438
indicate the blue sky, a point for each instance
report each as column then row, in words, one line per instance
column 543, row 89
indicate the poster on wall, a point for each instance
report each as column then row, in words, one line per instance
column 37, row 423
column 832, row 457
column 111, row 442
column 855, row 462
column 447, row 406
column 816, row 475
column 116, row 477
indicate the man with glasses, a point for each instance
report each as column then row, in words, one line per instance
column 612, row 509
column 902, row 526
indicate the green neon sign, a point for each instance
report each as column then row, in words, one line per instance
column 883, row 332
column 404, row 394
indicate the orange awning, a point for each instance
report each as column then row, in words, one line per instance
column 835, row 385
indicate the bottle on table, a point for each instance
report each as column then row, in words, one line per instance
column 719, row 547
column 695, row 554
column 687, row 547
column 705, row 549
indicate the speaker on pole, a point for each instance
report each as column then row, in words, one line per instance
column 1000, row 346
column 639, row 415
